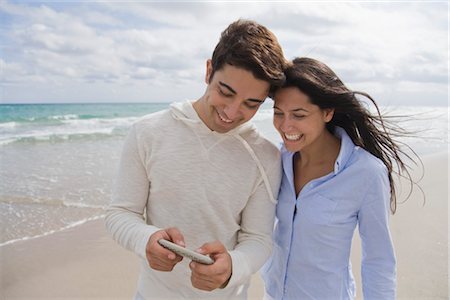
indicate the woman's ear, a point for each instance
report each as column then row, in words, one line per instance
column 328, row 114
column 209, row 69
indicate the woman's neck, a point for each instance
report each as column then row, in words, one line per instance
column 315, row 161
column 324, row 150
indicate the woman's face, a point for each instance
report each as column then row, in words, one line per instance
column 299, row 122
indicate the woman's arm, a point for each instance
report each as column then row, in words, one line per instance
column 378, row 267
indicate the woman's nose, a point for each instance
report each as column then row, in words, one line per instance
column 285, row 125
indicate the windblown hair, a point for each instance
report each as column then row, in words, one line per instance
column 369, row 131
column 248, row 45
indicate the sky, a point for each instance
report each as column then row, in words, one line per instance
column 148, row 51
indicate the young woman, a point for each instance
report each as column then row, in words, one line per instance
column 338, row 162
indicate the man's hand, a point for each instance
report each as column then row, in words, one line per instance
column 217, row 275
column 158, row 257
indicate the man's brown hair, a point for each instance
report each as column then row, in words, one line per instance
column 248, row 45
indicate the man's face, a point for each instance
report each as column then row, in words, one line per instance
column 232, row 97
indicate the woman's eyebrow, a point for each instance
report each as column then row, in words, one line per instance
column 294, row 110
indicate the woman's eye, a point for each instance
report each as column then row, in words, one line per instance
column 299, row 116
column 251, row 105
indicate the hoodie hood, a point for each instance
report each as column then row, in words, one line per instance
column 185, row 112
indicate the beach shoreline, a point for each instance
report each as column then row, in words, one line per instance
column 83, row 262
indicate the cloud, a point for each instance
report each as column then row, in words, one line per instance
column 156, row 51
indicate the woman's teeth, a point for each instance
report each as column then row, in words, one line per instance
column 292, row 137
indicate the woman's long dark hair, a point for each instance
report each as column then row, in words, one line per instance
column 367, row 130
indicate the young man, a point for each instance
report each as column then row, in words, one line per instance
column 198, row 174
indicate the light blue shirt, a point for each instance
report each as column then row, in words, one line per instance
column 311, row 252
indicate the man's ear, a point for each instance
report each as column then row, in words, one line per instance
column 209, row 71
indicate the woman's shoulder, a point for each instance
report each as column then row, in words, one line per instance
column 357, row 158
column 366, row 162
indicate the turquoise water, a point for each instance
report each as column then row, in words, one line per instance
column 55, row 122
column 58, row 161
column 49, row 113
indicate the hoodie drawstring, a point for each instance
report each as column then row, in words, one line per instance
column 180, row 111
column 260, row 167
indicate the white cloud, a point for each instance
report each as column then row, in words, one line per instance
column 156, row 51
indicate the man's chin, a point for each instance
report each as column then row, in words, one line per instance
column 221, row 130
column 224, row 129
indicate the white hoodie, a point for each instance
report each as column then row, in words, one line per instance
column 176, row 172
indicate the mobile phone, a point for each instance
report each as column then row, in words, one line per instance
column 195, row 256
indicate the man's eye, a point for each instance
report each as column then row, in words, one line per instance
column 299, row 116
column 225, row 94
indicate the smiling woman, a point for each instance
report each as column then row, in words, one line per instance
column 338, row 162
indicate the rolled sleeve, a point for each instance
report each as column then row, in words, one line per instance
column 378, row 266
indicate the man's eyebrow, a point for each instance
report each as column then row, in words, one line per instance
column 227, row 87
column 259, row 101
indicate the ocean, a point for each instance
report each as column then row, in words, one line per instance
column 58, row 161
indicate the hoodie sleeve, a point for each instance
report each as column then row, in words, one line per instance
column 255, row 236
column 125, row 214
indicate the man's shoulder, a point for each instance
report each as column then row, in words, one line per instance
column 158, row 119
column 264, row 148
column 153, row 125
column 152, row 118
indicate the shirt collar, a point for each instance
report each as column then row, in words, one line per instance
column 287, row 158
column 346, row 150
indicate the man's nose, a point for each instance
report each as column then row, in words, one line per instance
column 232, row 110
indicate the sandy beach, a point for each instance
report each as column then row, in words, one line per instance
column 84, row 263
